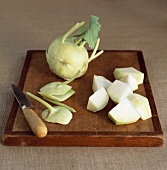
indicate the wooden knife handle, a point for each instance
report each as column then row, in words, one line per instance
column 35, row 123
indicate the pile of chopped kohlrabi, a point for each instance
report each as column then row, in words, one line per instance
column 67, row 55
column 130, row 106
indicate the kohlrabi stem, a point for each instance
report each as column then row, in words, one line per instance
column 93, row 56
column 60, row 104
column 75, row 27
column 82, row 43
column 78, row 42
column 40, row 100
column 71, row 79
column 94, row 51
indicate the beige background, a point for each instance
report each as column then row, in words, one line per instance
column 131, row 24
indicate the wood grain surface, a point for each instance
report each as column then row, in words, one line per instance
column 86, row 128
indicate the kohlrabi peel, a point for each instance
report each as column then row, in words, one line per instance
column 58, row 114
column 61, row 115
column 59, row 98
column 55, row 88
column 66, row 55
column 58, row 91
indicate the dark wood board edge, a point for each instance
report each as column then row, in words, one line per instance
column 18, row 138
column 112, row 140
column 149, row 94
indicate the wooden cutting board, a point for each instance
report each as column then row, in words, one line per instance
column 86, row 128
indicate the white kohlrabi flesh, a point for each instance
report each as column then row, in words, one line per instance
column 124, row 113
column 66, row 55
column 98, row 100
column 141, row 104
column 131, row 81
column 119, row 90
column 122, row 72
column 100, row 81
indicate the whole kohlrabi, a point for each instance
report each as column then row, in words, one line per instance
column 67, row 55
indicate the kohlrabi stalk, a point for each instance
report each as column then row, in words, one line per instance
column 52, row 109
column 58, row 114
column 71, row 79
column 49, row 100
column 94, row 55
column 60, row 104
column 74, row 28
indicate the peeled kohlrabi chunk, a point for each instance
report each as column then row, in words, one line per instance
column 122, row 72
column 123, row 113
column 118, row 91
column 131, row 81
column 141, row 104
column 100, row 81
column 98, row 100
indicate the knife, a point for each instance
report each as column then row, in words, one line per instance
column 34, row 121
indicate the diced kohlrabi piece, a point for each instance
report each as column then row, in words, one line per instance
column 119, row 90
column 141, row 104
column 124, row 113
column 122, row 72
column 131, row 81
column 100, row 81
column 98, row 100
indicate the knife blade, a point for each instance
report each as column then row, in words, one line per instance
column 34, row 121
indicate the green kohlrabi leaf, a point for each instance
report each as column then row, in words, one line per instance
column 91, row 34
